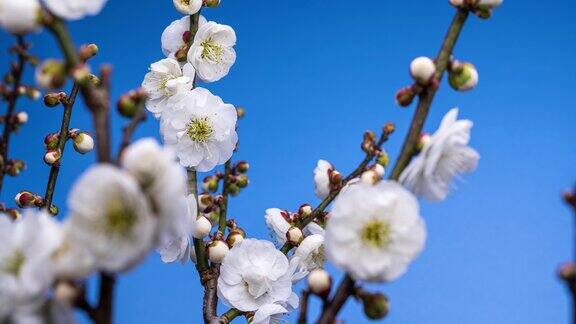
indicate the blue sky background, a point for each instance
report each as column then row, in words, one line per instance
column 313, row 75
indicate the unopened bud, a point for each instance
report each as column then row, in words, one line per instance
column 51, row 74
column 242, row 181
column 33, row 93
column 464, row 78
column 488, row 4
column 319, row 282
column 51, row 141
column 422, row 69
column 52, row 157
column 205, row 201
column 87, row 51
column 242, row 166
column 405, row 96
column 210, row 184
column 65, row 292
column 181, row 54
column 54, row 99
column 236, row 236
column 305, row 210
column 383, row 159
column 376, row 306
column 21, row 117
column 81, row 74
column 212, row 3
column 567, row 272
column 217, row 251
column 83, row 143
column 14, row 167
column 233, row 189
column 127, row 106
column 26, row 199
column 370, row 177
column 422, row 141
column 202, row 227
column 335, row 178
column 241, row 112
column 294, row 235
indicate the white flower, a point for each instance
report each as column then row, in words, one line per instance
column 75, row 9
column 375, row 231
column 179, row 250
column 164, row 80
column 277, row 222
column 188, row 7
column 309, row 256
column 72, row 260
column 322, row 179
column 254, row 274
column 19, row 16
column 201, row 129
column 27, row 244
column 273, row 313
column 164, row 182
column 212, row 52
column 111, row 217
column 444, row 156
column 177, row 34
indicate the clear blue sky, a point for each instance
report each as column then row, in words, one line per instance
column 313, row 75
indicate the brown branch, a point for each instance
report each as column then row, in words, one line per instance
column 128, row 130
column 105, row 309
column 12, row 99
column 427, row 95
column 304, row 307
column 332, row 308
column 64, row 128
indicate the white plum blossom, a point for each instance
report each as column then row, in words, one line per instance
column 27, row 245
column 255, row 274
column 309, row 255
column 164, row 182
column 201, row 129
column 375, row 231
column 179, row 250
column 443, row 157
column 75, row 9
column 322, row 178
column 277, row 221
column 164, row 80
column 212, row 52
column 72, row 259
column 111, row 216
column 188, row 7
column 176, row 35
column 273, row 313
column 20, row 16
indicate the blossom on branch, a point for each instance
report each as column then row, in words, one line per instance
column 188, row 7
column 309, row 255
column 212, row 52
column 176, row 36
column 375, row 231
column 445, row 155
column 254, row 276
column 201, row 129
column 20, row 16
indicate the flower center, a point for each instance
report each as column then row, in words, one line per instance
column 185, row 2
column 376, row 234
column 15, row 263
column 200, row 130
column 211, row 50
column 119, row 219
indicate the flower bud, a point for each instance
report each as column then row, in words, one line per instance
column 319, row 282
column 376, row 306
column 202, row 227
column 294, row 235
column 21, row 117
column 233, row 189
column 127, row 106
column 87, row 51
column 188, row 7
column 370, row 177
column 463, row 77
column 422, row 69
column 335, row 178
column 210, row 184
column 52, row 157
column 81, row 74
column 458, row 3
column 83, row 142
column 212, row 3
column 54, row 99
column 242, row 166
column 26, row 199
column 242, row 181
column 51, row 141
column 217, row 251
column 236, row 236
column 383, row 159
column 65, row 292
column 567, row 272
column 51, row 74
column 488, row 4
column 422, row 141
column 241, row 112
column 205, row 201
column 405, row 96
column 379, row 169
column 14, row 167
column 305, row 210
column 33, row 93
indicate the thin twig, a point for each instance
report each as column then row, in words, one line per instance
column 64, row 128
column 304, row 307
column 128, row 130
column 332, row 308
column 12, row 99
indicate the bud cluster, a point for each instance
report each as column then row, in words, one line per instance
column 27, row 199
column 238, row 179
